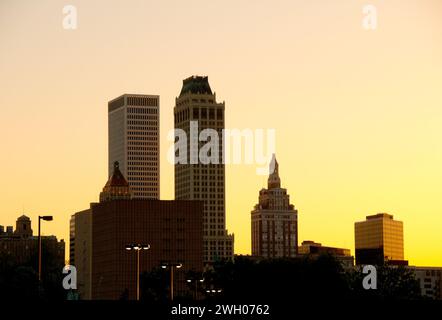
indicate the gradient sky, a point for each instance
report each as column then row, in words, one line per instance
column 358, row 114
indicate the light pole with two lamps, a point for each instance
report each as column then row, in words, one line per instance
column 45, row 218
column 138, row 248
column 171, row 266
column 196, row 280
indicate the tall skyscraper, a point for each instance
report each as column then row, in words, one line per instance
column 197, row 104
column 134, row 142
column 379, row 239
column 274, row 220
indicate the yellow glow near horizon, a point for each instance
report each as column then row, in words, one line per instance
column 357, row 113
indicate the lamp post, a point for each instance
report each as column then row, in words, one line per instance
column 138, row 248
column 171, row 266
column 45, row 218
column 196, row 280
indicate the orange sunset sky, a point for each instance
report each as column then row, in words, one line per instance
column 357, row 113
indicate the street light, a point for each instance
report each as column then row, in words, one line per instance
column 171, row 266
column 45, row 218
column 138, row 248
column 196, row 280
column 213, row 291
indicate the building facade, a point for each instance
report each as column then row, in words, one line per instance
column 274, row 220
column 430, row 281
column 133, row 124
column 80, row 251
column 379, row 239
column 99, row 236
column 314, row 249
column 197, row 106
column 21, row 245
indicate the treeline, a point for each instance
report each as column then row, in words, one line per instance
column 19, row 281
column 284, row 280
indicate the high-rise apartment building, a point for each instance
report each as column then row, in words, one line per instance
column 379, row 239
column 274, row 220
column 134, row 142
column 197, row 106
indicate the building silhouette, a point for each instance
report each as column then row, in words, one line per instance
column 197, row 181
column 274, row 220
column 105, row 269
column 430, row 281
column 314, row 249
column 378, row 240
column 80, row 251
column 21, row 245
column 134, row 142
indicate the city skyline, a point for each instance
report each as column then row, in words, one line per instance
column 357, row 121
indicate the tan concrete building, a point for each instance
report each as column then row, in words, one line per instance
column 379, row 239
column 194, row 180
column 274, row 220
column 134, row 142
column 430, row 281
column 80, row 251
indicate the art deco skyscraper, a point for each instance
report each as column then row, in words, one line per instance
column 274, row 220
column 134, row 142
column 196, row 181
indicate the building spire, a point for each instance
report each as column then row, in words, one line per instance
column 274, row 181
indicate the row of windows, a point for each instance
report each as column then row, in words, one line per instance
column 144, row 189
column 141, row 117
column 148, row 167
column 141, row 143
column 139, row 138
column 143, row 110
column 210, row 183
column 199, row 113
column 209, row 226
column 139, row 178
column 220, row 243
column 145, row 163
column 148, row 132
column 147, row 151
column 150, row 195
column 213, row 233
column 201, row 179
column 153, row 184
column 187, row 101
column 143, row 123
column 142, row 128
column 213, row 220
column 213, row 208
column 141, row 101
column 208, row 189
